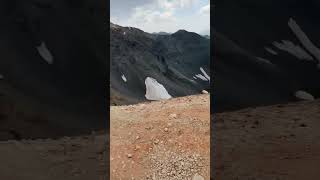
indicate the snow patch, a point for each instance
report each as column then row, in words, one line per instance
column 204, row 73
column 155, row 91
column 293, row 49
column 271, row 51
column 45, row 53
column 124, row 78
column 303, row 38
column 303, row 95
column 264, row 60
column 201, row 77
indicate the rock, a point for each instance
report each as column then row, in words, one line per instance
column 130, row 155
column 137, row 147
column 166, row 129
column 197, row 177
column 156, row 141
column 173, row 116
column 204, row 92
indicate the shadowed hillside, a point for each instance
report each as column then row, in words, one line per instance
column 174, row 61
column 265, row 52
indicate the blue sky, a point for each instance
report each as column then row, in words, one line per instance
column 162, row 15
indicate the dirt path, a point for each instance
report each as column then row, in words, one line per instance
column 163, row 140
column 279, row 142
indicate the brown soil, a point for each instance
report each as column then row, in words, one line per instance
column 161, row 140
column 76, row 158
column 280, row 142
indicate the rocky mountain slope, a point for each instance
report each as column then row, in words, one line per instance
column 53, row 66
column 265, row 52
column 174, row 61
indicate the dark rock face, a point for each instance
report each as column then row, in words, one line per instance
column 71, row 91
column 252, row 64
column 172, row 60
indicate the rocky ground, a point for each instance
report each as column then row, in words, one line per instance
column 170, row 140
column 76, row 158
column 280, row 142
column 164, row 140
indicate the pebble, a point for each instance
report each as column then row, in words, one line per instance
column 173, row 116
column 156, row 141
column 197, row 177
column 129, row 155
column 137, row 147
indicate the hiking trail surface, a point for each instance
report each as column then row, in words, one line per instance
column 163, row 140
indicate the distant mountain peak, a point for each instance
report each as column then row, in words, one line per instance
column 182, row 31
column 161, row 33
column 115, row 26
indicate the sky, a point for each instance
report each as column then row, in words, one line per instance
column 162, row 15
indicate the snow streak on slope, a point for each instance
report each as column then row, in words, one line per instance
column 155, row 91
column 271, row 51
column 263, row 60
column 204, row 73
column 303, row 38
column 45, row 53
column 201, row 77
column 293, row 49
column 124, row 78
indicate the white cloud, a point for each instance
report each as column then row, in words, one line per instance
column 175, row 4
column 168, row 16
column 205, row 10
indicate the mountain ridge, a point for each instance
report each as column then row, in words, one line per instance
column 136, row 55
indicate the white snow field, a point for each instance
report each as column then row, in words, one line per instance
column 155, row 91
column 303, row 95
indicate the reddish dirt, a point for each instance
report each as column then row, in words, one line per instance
column 280, row 142
column 161, row 140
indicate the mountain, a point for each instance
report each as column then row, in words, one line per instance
column 206, row 36
column 265, row 52
column 53, row 67
column 161, row 33
column 162, row 66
